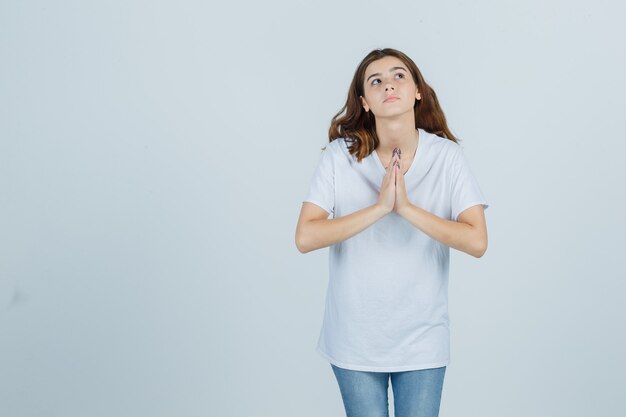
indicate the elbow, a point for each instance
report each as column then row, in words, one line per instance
column 307, row 239
column 480, row 249
column 301, row 243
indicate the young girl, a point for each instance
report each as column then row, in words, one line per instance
column 401, row 193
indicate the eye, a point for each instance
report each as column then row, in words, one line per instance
column 378, row 79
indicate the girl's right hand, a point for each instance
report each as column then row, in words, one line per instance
column 387, row 196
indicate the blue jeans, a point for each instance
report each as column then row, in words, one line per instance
column 415, row 393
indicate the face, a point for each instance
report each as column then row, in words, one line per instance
column 388, row 88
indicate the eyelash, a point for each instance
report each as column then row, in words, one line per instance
column 398, row 73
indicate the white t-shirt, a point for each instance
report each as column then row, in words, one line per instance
column 387, row 298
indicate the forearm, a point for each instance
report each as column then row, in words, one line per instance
column 317, row 234
column 457, row 235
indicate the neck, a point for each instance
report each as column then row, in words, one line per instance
column 397, row 133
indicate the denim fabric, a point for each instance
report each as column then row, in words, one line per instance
column 415, row 393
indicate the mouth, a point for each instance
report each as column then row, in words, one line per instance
column 390, row 99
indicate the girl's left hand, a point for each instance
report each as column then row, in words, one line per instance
column 402, row 200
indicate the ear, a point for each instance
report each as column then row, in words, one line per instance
column 418, row 95
column 364, row 104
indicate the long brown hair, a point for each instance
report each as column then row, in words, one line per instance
column 359, row 126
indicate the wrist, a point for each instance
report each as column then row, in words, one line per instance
column 404, row 209
column 381, row 210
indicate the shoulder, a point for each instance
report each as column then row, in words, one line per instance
column 329, row 153
column 336, row 144
column 337, row 147
column 443, row 144
column 443, row 150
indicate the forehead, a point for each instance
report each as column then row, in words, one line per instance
column 383, row 65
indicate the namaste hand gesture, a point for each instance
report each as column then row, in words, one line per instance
column 393, row 195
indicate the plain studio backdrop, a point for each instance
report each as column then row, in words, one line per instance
column 153, row 161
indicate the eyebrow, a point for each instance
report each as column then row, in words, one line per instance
column 390, row 69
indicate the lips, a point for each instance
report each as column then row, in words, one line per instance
column 390, row 99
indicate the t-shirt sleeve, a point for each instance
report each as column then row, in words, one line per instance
column 322, row 185
column 465, row 191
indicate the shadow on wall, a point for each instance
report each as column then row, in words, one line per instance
column 11, row 296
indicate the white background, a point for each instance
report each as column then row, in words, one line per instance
column 153, row 160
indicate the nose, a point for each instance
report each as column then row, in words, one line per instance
column 389, row 86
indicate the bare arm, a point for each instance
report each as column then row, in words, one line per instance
column 316, row 231
column 468, row 235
